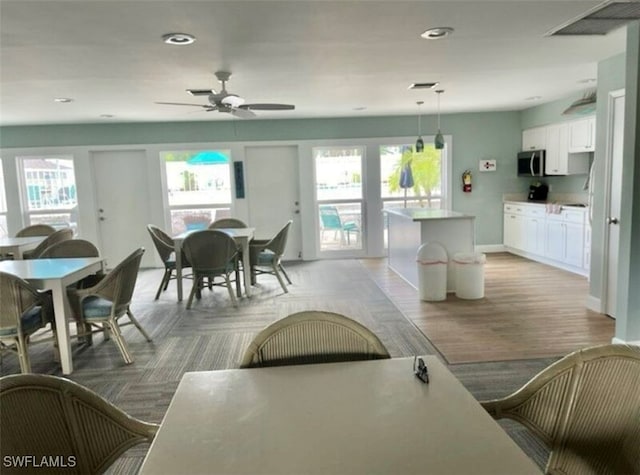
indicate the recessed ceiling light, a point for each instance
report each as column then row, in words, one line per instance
column 437, row 33
column 179, row 39
column 63, row 100
column 533, row 98
column 107, row 116
column 423, row 85
column 586, row 81
column 361, row 108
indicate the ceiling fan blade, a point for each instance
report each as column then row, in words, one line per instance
column 183, row 104
column 201, row 92
column 242, row 113
column 268, row 107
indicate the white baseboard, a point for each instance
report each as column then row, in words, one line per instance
column 594, row 303
column 619, row 341
column 490, row 248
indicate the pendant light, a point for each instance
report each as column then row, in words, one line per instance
column 419, row 142
column 438, row 142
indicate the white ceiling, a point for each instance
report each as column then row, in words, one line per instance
column 326, row 57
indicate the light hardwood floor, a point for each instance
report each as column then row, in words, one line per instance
column 530, row 310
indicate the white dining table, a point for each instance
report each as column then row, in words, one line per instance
column 242, row 236
column 56, row 275
column 366, row 417
column 17, row 245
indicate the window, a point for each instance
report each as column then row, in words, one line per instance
column 198, row 187
column 3, row 206
column 338, row 176
column 49, row 188
column 424, row 189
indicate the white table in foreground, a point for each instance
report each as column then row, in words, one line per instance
column 368, row 417
column 17, row 245
column 56, row 275
column 242, row 236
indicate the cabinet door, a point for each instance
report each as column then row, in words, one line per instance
column 534, row 235
column 555, row 240
column 511, row 230
column 534, row 139
column 574, row 244
column 557, row 151
column 582, row 135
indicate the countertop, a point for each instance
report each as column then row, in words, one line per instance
column 422, row 214
column 545, row 203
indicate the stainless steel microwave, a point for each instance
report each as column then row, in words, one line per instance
column 531, row 163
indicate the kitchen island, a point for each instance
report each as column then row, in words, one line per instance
column 409, row 228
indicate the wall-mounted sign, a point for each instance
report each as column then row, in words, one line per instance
column 487, row 165
column 238, row 173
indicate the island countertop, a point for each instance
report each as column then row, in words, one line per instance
column 422, row 214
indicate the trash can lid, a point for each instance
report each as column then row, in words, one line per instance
column 432, row 253
column 469, row 258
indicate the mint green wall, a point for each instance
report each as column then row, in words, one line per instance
column 476, row 136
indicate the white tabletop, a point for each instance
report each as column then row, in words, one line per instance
column 43, row 269
column 233, row 232
column 20, row 241
column 422, row 214
column 371, row 417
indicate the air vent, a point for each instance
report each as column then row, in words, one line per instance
column 600, row 21
column 423, row 85
column 199, row 92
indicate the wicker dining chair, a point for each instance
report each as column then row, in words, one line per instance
column 228, row 223
column 102, row 305
column 23, row 312
column 266, row 256
column 212, row 254
column 36, row 230
column 165, row 246
column 585, row 408
column 313, row 337
column 47, row 416
column 53, row 238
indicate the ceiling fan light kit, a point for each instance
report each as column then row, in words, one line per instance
column 438, row 141
column 228, row 103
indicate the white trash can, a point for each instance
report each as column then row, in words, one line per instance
column 469, row 268
column 432, row 263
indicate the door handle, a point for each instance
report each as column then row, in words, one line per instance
column 297, row 211
column 101, row 218
column 611, row 220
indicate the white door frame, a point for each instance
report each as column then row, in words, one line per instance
column 613, row 95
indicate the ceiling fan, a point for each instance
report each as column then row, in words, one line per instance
column 224, row 101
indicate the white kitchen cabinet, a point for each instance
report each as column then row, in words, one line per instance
column 564, row 237
column 534, row 139
column 558, row 159
column 582, row 135
column 534, row 232
column 524, row 227
column 513, row 231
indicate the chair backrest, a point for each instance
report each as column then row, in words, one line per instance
column 53, row 238
column 71, row 248
column 36, row 230
column 313, row 337
column 228, row 223
column 209, row 250
column 586, row 408
column 48, row 416
column 278, row 244
column 17, row 297
column 162, row 241
column 330, row 218
column 118, row 284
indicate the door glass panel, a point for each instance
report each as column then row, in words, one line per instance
column 338, row 174
column 50, row 189
column 198, row 187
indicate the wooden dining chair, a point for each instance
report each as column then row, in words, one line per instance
column 46, row 416
column 585, row 408
column 313, row 337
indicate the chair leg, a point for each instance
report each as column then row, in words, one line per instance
column 119, row 340
column 277, row 274
column 196, row 283
column 230, row 289
column 167, row 279
column 164, row 283
column 286, row 276
column 135, row 321
column 23, row 354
